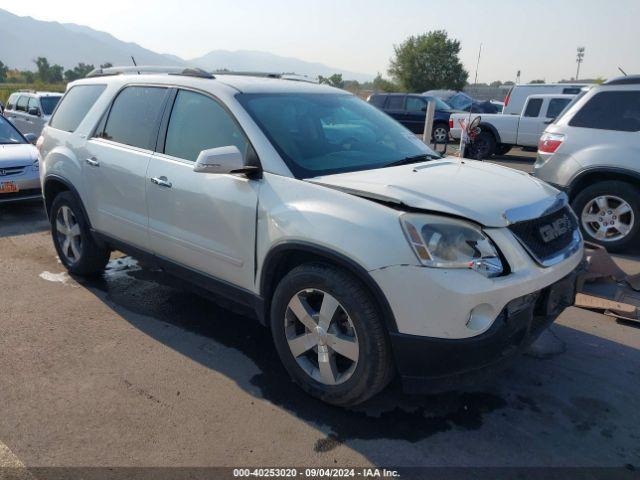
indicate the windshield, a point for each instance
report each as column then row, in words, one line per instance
column 460, row 101
column 49, row 104
column 440, row 104
column 323, row 134
column 8, row 133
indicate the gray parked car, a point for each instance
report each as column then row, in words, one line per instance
column 19, row 172
column 30, row 110
column 592, row 151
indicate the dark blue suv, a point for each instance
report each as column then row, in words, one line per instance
column 409, row 109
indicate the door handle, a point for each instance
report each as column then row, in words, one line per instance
column 161, row 182
column 93, row 162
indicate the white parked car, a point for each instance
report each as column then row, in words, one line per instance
column 500, row 133
column 29, row 110
column 362, row 250
column 592, row 151
column 518, row 94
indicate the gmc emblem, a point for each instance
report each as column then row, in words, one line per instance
column 556, row 229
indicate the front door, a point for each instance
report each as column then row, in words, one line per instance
column 202, row 221
column 116, row 164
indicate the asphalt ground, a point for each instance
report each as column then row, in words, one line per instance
column 134, row 369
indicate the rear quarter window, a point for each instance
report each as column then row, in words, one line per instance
column 75, row 105
column 377, row 100
column 11, row 102
column 619, row 111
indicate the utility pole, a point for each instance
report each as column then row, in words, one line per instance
column 579, row 60
column 518, row 77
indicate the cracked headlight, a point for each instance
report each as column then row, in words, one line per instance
column 442, row 242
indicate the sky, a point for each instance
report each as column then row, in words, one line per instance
column 537, row 37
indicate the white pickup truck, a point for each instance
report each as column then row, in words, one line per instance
column 499, row 132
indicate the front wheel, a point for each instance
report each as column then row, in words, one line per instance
column 73, row 241
column 609, row 214
column 330, row 335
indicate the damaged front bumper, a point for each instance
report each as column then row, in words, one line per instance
column 429, row 365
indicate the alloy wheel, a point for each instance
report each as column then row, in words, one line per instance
column 321, row 336
column 607, row 218
column 69, row 234
column 440, row 134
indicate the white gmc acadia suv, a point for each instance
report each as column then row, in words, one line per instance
column 364, row 252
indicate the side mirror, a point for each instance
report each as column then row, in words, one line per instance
column 222, row 160
column 34, row 111
column 32, row 138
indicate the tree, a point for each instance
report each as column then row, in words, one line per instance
column 382, row 85
column 48, row 73
column 106, row 65
column 334, row 80
column 509, row 83
column 495, row 84
column 538, row 80
column 79, row 71
column 428, row 61
column 3, row 72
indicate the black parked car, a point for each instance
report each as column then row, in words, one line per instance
column 409, row 109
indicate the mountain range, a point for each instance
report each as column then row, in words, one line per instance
column 23, row 39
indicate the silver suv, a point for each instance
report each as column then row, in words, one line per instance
column 592, row 152
column 365, row 252
column 29, row 110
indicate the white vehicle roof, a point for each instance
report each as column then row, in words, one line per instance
column 551, row 95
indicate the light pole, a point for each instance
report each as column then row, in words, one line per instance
column 579, row 60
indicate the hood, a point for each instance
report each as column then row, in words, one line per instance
column 17, row 155
column 486, row 193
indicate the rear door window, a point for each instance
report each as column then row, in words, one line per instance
column 395, row 102
column 556, row 106
column 22, row 103
column 75, row 105
column 533, row 107
column 618, row 111
column 198, row 123
column 135, row 115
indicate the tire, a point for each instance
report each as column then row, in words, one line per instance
column 440, row 133
column 502, row 149
column 356, row 318
column 609, row 197
column 77, row 250
column 483, row 146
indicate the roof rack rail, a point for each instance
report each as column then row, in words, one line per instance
column 626, row 80
column 142, row 69
column 282, row 76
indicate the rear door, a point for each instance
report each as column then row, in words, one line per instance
column 32, row 116
column 415, row 111
column 118, row 157
column 394, row 107
column 18, row 115
column 531, row 122
column 203, row 221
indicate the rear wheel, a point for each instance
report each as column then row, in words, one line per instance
column 440, row 133
column 329, row 335
column 483, row 146
column 73, row 241
column 609, row 214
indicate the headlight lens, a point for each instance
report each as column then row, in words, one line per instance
column 447, row 243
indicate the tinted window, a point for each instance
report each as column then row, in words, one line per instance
column 533, row 107
column 21, row 105
column 11, row 103
column 8, row 133
column 610, row 111
column 33, row 103
column 415, row 104
column 572, row 90
column 197, row 123
column 49, row 104
column 75, row 105
column 377, row 100
column 134, row 116
column 556, row 105
column 322, row 134
column 395, row 102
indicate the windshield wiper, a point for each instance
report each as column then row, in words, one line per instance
column 414, row 159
